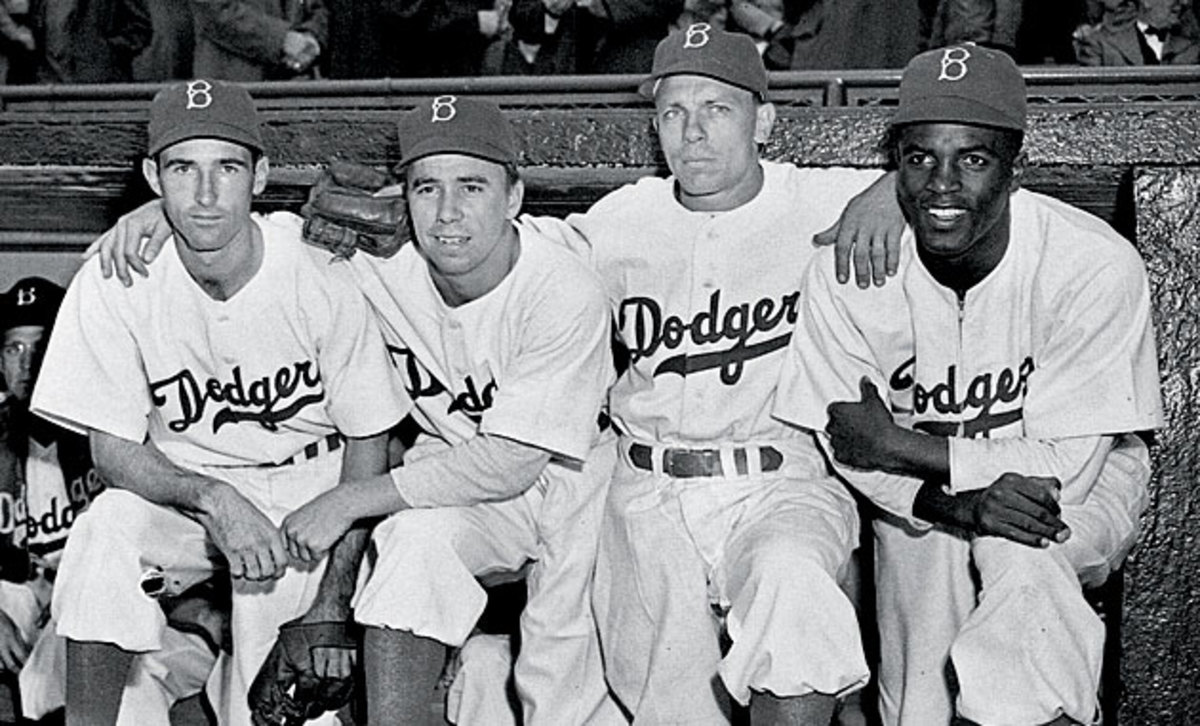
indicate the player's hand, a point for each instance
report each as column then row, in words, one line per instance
column 1023, row 509
column 300, row 50
column 314, row 528
column 13, row 648
column 868, row 231
column 250, row 542
column 859, row 430
column 330, row 662
column 132, row 243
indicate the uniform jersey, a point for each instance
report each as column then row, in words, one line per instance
column 1055, row 343
column 292, row 357
column 706, row 302
column 528, row 361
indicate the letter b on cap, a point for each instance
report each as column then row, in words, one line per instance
column 954, row 64
column 443, row 108
column 697, row 35
column 199, row 94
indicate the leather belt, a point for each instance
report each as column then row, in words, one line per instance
column 691, row 463
column 331, row 443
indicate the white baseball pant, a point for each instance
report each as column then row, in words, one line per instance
column 1029, row 647
column 767, row 549
column 121, row 536
column 424, row 582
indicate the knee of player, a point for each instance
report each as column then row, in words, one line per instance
column 113, row 513
column 414, row 530
column 786, row 565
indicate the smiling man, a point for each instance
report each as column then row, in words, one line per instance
column 215, row 397
column 1016, row 359
column 504, row 338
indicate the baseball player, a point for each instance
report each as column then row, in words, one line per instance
column 715, row 506
column 504, row 339
column 1016, row 360
column 216, row 397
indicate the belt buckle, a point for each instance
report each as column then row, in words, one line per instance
column 690, row 463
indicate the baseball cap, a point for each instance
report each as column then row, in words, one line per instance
column 31, row 301
column 457, row 125
column 202, row 109
column 703, row 50
column 963, row 83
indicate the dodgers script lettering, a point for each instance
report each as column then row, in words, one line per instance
column 646, row 330
column 257, row 402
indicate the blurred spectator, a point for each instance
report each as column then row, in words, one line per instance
column 437, row 38
column 1159, row 32
column 46, row 480
column 16, row 42
column 169, row 53
column 87, row 41
column 592, row 36
column 993, row 23
column 783, row 30
column 356, row 42
column 257, row 40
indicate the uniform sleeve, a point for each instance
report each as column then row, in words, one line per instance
column 1097, row 372
column 481, row 469
column 827, row 357
column 366, row 395
column 92, row 376
column 1075, row 462
column 551, row 393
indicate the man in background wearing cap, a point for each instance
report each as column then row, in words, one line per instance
column 46, row 480
column 215, row 397
column 1016, row 355
column 715, row 507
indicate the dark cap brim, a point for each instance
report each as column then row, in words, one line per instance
column 207, row 130
column 954, row 109
column 648, row 86
column 478, row 147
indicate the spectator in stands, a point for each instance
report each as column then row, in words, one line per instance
column 172, row 42
column 86, row 41
column 781, row 29
column 439, row 38
column 258, row 40
column 16, row 42
column 1160, row 33
column 988, row 22
column 592, row 36
column 357, row 43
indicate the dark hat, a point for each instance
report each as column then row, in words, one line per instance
column 962, row 84
column 203, row 109
column 702, row 50
column 31, row 301
column 457, row 125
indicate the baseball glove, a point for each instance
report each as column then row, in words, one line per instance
column 355, row 207
column 287, row 691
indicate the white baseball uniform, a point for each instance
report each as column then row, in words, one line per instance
column 1043, row 368
column 529, row 362
column 253, row 390
column 706, row 304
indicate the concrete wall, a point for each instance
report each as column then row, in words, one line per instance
column 1136, row 165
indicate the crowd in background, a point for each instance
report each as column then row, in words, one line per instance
column 96, row 41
